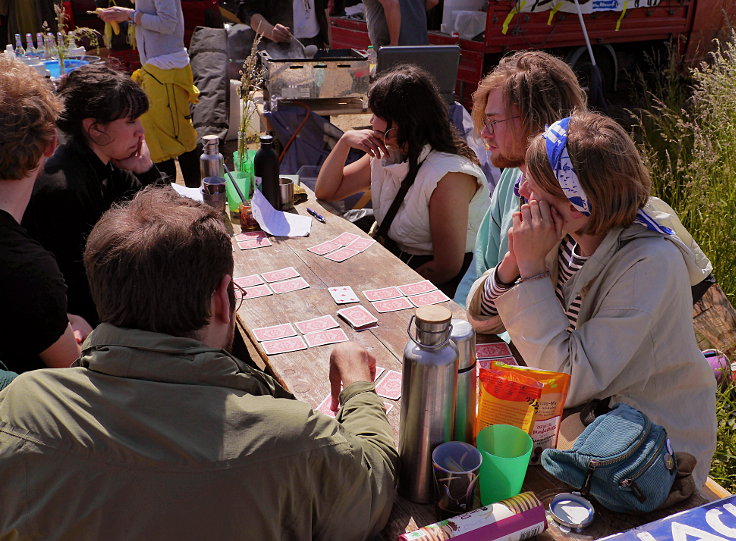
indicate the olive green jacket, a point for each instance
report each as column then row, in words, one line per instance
column 151, row 436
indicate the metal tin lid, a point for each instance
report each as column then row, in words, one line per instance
column 572, row 510
column 266, row 139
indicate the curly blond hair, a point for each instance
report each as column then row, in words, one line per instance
column 28, row 113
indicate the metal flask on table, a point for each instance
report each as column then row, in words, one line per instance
column 463, row 335
column 211, row 161
column 428, row 391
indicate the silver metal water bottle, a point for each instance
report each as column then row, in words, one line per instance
column 463, row 335
column 210, row 162
column 428, row 389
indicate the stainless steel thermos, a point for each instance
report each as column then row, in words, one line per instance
column 428, row 389
column 463, row 336
column 211, row 161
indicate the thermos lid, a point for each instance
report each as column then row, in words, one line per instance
column 433, row 318
column 266, row 139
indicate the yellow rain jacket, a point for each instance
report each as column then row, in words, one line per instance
column 168, row 122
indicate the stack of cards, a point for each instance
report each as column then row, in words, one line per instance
column 390, row 299
column 358, row 317
column 318, row 331
column 342, row 247
column 252, row 239
column 495, row 351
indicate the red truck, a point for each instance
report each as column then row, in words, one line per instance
column 691, row 23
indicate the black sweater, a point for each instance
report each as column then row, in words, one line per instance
column 72, row 193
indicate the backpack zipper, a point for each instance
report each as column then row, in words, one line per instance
column 595, row 463
column 630, row 482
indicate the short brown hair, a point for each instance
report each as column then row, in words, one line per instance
column 28, row 112
column 154, row 262
column 608, row 166
column 537, row 86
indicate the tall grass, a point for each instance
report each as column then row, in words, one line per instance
column 687, row 132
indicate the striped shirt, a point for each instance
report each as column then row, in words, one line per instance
column 568, row 262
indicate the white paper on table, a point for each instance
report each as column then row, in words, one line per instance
column 191, row 193
column 277, row 223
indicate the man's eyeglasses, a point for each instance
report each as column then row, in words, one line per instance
column 490, row 125
column 239, row 295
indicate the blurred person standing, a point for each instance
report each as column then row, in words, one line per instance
column 281, row 20
column 167, row 79
column 397, row 22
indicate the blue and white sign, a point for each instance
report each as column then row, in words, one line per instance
column 715, row 521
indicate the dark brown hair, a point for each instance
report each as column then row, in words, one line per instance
column 408, row 97
column 608, row 166
column 99, row 92
column 537, row 86
column 28, row 111
column 154, row 262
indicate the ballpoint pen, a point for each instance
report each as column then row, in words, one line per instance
column 317, row 217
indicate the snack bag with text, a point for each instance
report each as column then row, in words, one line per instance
column 507, row 397
column 551, row 405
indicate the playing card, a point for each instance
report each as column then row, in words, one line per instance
column 247, row 235
column 289, row 285
column 392, row 305
column 316, row 324
column 343, row 294
column 433, row 297
column 390, row 385
column 257, row 291
column 341, row 255
column 248, row 281
column 324, row 407
column 418, row 287
column 324, row 248
column 382, row 294
column 281, row 274
column 495, row 349
column 357, row 316
column 379, row 370
column 388, row 405
column 345, row 238
column 274, row 332
column 330, row 336
column 361, row 244
column 284, row 345
column 249, row 244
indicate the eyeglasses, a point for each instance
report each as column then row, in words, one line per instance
column 490, row 125
column 239, row 295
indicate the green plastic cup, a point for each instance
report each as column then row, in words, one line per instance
column 243, row 179
column 506, row 451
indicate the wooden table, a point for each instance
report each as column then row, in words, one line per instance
column 305, row 372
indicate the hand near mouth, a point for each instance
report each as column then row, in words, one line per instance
column 139, row 161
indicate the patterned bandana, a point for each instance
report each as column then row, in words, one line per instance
column 559, row 159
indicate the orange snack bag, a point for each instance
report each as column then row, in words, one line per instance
column 551, row 405
column 507, row 397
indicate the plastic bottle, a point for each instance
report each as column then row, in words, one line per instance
column 40, row 49
column 372, row 60
column 266, row 171
column 30, row 49
column 428, row 393
column 19, row 50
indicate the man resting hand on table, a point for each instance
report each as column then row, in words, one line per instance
column 157, row 432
